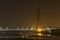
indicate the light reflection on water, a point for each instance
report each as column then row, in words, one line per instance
column 46, row 38
column 40, row 38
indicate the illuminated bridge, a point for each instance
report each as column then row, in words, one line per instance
column 18, row 28
column 23, row 28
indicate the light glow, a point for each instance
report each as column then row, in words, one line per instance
column 39, row 34
column 39, row 30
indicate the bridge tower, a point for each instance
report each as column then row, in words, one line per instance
column 38, row 17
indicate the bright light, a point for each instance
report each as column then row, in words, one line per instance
column 39, row 30
column 39, row 34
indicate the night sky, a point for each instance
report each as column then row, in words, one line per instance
column 24, row 12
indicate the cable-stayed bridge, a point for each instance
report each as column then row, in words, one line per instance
column 24, row 28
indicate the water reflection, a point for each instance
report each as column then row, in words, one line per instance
column 42, row 38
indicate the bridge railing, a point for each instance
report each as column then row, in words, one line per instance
column 18, row 28
column 25, row 28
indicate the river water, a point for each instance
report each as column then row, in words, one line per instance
column 41, row 38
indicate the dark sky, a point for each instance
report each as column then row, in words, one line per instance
column 24, row 12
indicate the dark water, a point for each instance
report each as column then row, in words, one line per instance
column 42, row 38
